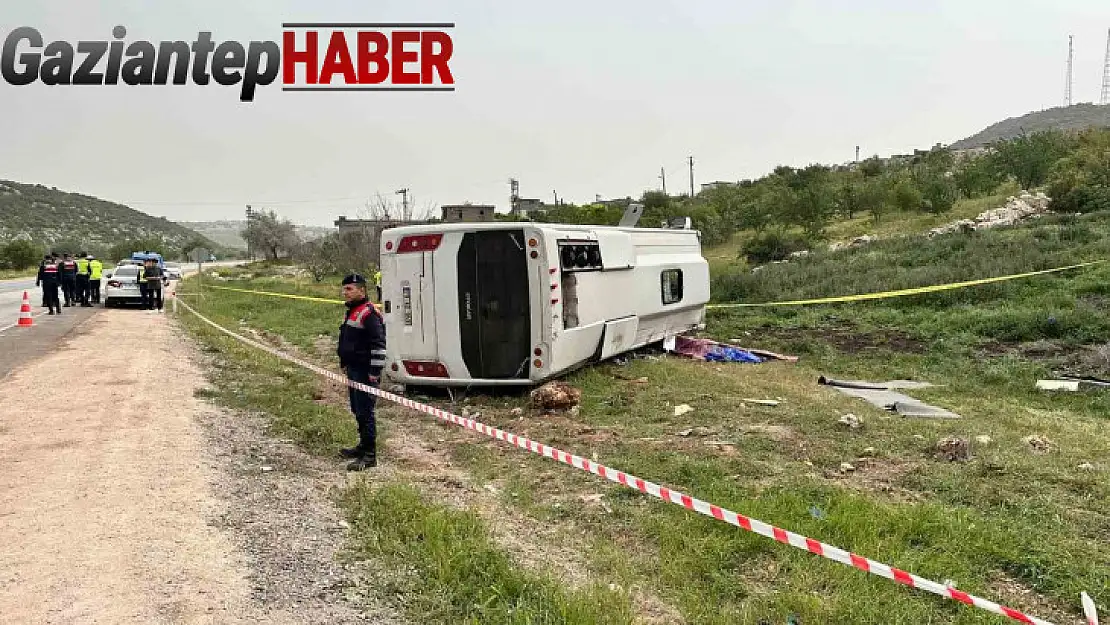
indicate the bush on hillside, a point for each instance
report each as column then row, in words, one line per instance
column 772, row 245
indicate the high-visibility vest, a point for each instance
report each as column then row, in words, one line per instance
column 96, row 267
column 377, row 278
column 82, row 266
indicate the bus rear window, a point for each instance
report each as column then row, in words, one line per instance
column 672, row 286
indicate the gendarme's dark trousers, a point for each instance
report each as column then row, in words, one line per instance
column 69, row 289
column 94, row 291
column 144, row 294
column 50, row 296
column 83, row 290
column 362, row 405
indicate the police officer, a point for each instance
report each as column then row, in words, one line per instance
column 83, row 279
column 69, row 279
column 378, row 283
column 96, row 269
column 362, row 356
column 49, row 276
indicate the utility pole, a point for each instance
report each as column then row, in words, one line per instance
column 691, row 177
column 404, row 193
column 250, row 219
column 1067, row 89
column 556, row 193
column 663, row 177
column 857, row 153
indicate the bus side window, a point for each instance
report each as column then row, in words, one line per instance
column 672, row 286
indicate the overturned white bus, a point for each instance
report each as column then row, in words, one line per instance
column 517, row 303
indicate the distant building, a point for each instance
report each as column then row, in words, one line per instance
column 715, row 184
column 455, row 213
column 363, row 236
column 525, row 206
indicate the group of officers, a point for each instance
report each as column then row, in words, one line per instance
column 79, row 279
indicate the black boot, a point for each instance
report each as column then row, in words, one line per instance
column 367, row 461
column 351, row 453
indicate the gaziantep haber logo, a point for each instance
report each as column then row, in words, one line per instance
column 311, row 57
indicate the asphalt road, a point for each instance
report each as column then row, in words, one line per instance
column 11, row 294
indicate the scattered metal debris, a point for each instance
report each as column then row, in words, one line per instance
column 851, row 421
column 682, row 409
column 883, row 395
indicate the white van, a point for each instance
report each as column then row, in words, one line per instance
column 511, row 303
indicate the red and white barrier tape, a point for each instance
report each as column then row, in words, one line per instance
column 690, row 503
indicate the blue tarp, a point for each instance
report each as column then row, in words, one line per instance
column 723, row 353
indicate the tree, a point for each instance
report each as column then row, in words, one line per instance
column 381, row 209
column 872, row 167
column 321, row 257
column 1080, row 183
column 20, row 254
column 977, row 176
column 192, row 244
column 1030, row 157
column 267, row 232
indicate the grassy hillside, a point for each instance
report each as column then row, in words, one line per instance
column 1066, row 118
column 227, row 232
column 49, row 216
column 880, row 490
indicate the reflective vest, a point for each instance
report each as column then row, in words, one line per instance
column 82, row 266
column 96, row 267
column 377, row 278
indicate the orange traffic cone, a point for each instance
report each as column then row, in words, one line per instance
column 25, row 320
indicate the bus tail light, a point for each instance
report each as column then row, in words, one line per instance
column 425, row 369
column 419, row 243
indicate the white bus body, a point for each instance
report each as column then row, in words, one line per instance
column 518, row 303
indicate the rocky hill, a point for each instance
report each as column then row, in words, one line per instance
column 47, row 215
column 1067, row 118
column 226, row 232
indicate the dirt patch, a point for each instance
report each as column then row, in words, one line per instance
column 881, row 476
column 845, row 338
column 155, row 502
column 1092, row 359
column 1013, row 594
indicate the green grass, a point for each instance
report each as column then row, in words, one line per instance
column 442, row 561
column 1024, row 529
column 12, row 274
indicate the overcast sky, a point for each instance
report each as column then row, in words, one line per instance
column 578, row 97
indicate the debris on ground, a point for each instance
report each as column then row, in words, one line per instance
column 1070, row 383
column 763, row 352
column 709, row 350
column 984, row 439
column 851, row 421
column 682, row 409
column 761, row 402
column 846, row 467
column 1086, row 466
column 1058, row 385
column 1016, row 210
column 697, row 431
column 883, row 395
column 869, row 451
column 1038, row 443
column 556, row 396
column 517, row 412
column 953, row 448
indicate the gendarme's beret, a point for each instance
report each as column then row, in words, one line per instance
column 354, row 278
